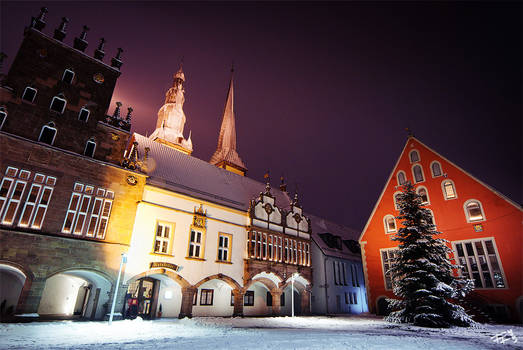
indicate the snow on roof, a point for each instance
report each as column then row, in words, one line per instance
column 174, row 170
column 325, row 233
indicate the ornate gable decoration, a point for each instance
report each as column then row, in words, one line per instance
column 200, row 217
column 264, row 212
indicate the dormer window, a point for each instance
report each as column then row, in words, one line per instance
column 3, row 117
column 48, row 134
column 68, row 76
column 29, row 94
column 414, row 156
column 84, row 115
column 90, row 147
column 58, row 104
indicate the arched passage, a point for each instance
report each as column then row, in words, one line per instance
column 154, row 293
column 76, row 293
column 295, row 293
column 12, row 281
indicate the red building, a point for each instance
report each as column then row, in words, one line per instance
column 483, row 227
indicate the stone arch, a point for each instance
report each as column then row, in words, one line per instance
column 171, row 274
column 25, row 278
column 257, row 272
column 230, row 281
column 80, row 268
column 300, row 283
column 271, row 286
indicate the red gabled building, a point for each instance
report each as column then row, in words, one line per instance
column 483, row 227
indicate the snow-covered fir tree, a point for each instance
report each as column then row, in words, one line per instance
column 422, row 272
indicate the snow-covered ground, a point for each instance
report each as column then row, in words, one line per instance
column 356, row 332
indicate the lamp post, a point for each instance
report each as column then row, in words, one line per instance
column 292, row 294
column 123, row 261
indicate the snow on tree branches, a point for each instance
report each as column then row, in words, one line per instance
column 422, row 273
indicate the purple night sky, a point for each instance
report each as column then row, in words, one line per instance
column 323, row 92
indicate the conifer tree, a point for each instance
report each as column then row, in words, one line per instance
column 422, row 273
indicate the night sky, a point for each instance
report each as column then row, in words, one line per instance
column 323, row 92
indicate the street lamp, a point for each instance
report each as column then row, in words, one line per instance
column 292, row 294
column 123, row 261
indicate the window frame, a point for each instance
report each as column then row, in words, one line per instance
column 467, row 213
column 207, row 292
column 248, row 298
column 445, row 191
column 401, row 172
column 80, row 113
column 10, row 200
column 227, row 249
column 200, row 245
column 414, row 166
column 94, row 149
column 432, row 170
column 25, row 90
column 169, row 240
column 58, row 98
column 410, row 156
column 394, row 200
column 3, row 118
column 387, row 250
column 386, row 226
column 54, row 135
column 63, row 76
column 418, row 189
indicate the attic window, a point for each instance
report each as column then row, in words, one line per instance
column 3, row 117
column 68, row 76
column 58, row 104
column 90, row 146
column 48, row 134
column 84, row 115
column 29, row 94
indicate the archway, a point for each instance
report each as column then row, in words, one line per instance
column 12, row 281
column 213, row 298
column 76, row 293
column 295, row 291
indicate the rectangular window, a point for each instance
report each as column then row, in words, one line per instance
column 388, row 257
column 30, row 204
column 90, row 147
column 252, row 244
column 264, row 247
column 29, row 94
column 68, row 76
column 3, row 117
column 206, row 296
column 224, row 247
column 195, row 244
column 82, row 214
column 58, row 104
column 347, row 301
column 259, row 245
column 269, row 249
column 308, row 254
column 286, row 254
column 335, row 271
column 41, row 208
column 13, row 202
column 299, row 253
column 163, row 238
column 295, row 246
column 83, row 115
column 269, row 299
column 354, row 298
column 480, row 262
column 344, row 273
column 248, row 298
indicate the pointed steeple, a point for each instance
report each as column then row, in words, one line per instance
column 226, row 155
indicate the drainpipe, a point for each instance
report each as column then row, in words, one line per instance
column 326, row 294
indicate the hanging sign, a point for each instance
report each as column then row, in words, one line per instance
column 164, row 265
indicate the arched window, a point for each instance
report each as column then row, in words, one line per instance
column 48, row 134
column 414, row 156
column 402, row 179
column 474, row 211
column 29, row 94
column 90, row 146
column 390, row 224
column 422, row 191
column 449, row 191
column 396, row 200
column 435, row 168
column 432, row 221
column 84, row 114
column 417, row 172
column 58, row 104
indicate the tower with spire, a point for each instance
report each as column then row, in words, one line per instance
column 226, row 156
column 171, row 118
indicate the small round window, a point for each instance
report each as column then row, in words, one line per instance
column 98, row 78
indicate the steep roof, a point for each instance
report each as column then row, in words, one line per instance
column 170, row 169
column 499, row 194
column 321, row 229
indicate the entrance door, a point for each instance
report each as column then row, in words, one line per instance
column 141, row 293
column 81, row 300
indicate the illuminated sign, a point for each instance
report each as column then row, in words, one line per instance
column 164, row 265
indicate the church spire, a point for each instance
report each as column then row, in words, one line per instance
column 226, row 155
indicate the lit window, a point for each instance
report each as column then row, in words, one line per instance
column 252, row 244
column 402, row 179
column 206, row 296
column 474, row 211
column 396, row 199
column 224, row 248
column 3, row 117
column 163, row 238
column 435, row 167
column 431, row 214
column 248, row 298
column 68, row 76
column 84, row 114
column 195, row 244
column 29, row 94
column 11, row 192
column 79, row 220
column 90, row 146
column 48, row 134
column 422, row 191
column 414, row 156
column 480, row 261
column 36, row 202
column 388, row 259
column 58, row 104
column 390, row 224
column 449, row 191
column 418, row 173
